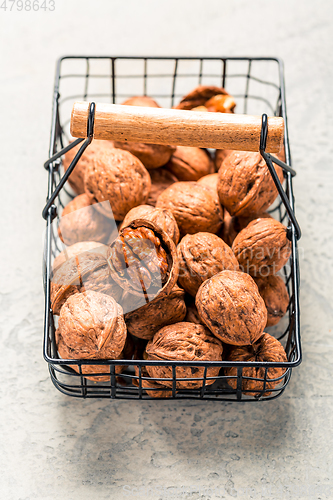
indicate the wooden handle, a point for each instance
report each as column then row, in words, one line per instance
column 177, row 127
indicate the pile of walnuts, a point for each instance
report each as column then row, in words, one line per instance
column 170, row 255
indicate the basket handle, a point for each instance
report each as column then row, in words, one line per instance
column 176, row 127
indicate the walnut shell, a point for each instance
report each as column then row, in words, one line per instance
column 275, row 294
column 210, row 181
column 194, row 206
column 192, row 315
column 141, row 100
column 163, row 310
column 151, row 155
column 76, row 179
column 189, row 163
column 143, row 261
column 80, row 221
column 221, row 103
column 201, row 256
column 245, row 185
column 85, row 271
column 187, row 342
column 77, row 249
column 232, row 225
column 159, row 390
column 120, row 178
column 262, row 248
column 161, row 178
column 230, row 305
column 266, row 348
column 199, row 96
column 220, row 156
column 161, row 217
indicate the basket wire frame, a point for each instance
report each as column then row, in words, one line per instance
column 63, row 376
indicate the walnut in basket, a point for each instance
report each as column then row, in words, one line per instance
column 232, row 225
column 210, row 181
column 275, row 294
column 187, row 342
column 77, row 249
column 230, row 305
column 161, row 178
column 190, row 163
column 156, row 390
column 200, row 96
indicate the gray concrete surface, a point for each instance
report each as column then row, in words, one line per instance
column 56, row 447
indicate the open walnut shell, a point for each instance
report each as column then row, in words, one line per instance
column 201, row 256
column 161, row 311
column 194, row 206
column 161, row 178
column 159, row 216
column 120, row 178
column 85, row 271
column 230, row 305
column 143, row 261
column 80, row 221
column 199, row 96
column 186, row 342
column 267, row 349
column 76, row 179
column 262, row 248
column 275, row 294
column 245, row 185
column 190, row 163
column 232, row 225
column 77, row 249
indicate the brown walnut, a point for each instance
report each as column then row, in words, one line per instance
column 187, row 342
column 194, row 206
column 201, row 256
column 230, row 305
column 163, row 218
column 76, row 179
column 275, row 294
column 192, row 315
column 245, row 186
column 189, row 163
column 199, row 96
column 161, row 311
column 232, row 225
column 210, row 181
column 141, row 100
column 267, row 349
column 156, row 390
column 77, row 249
column 161, row 179
column 221, row 103
column 80, row 221
column 119, row 178
column 262, row 248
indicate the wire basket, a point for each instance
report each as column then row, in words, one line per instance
column 258, row 86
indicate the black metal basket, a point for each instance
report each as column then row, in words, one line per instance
column 258, row 86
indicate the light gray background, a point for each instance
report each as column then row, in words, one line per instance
column 56, row 447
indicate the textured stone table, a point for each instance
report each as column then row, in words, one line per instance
column 56, row 447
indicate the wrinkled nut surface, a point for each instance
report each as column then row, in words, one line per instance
column 77, row 249
column 262, row 248
column 141, row 100
column 221, row 103
column 199, row 96
column 266, row 348
column 156, row 390
column 80, row 221
column 190, row 164
column 119, row 178
column 161, row 217
column 194, row 206
column 163, row 310
column 201, row 256
column 76, row 179
column 245, row 185
column 85, row 271
column 161, row 179
column 275, row 294
column 230, row 305
column 192, row 315
column 209, row 181
column 232, row 225
column 187, row 342
column 143, row 259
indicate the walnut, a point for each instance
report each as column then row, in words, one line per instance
column 220, row 156
column 151, row 155
column 161, row 217
column 80, row 221
column 201, row 256
column 192, row 315
column 199, row 96
column 221, row 103
column 267, row 349
column 159, row 390
column 232, row 225
column 245, row 185
column 190, row 164
column 184, row 342
column 230, row 305
column 77, row 249
column 262, row 248
column 143, row 261
column 161, row 311
column 76, row 179
column 194, row 206
column 119, row 178
column 161, row 178
column 275, row 294
column 85, row 271
column 210, row 181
